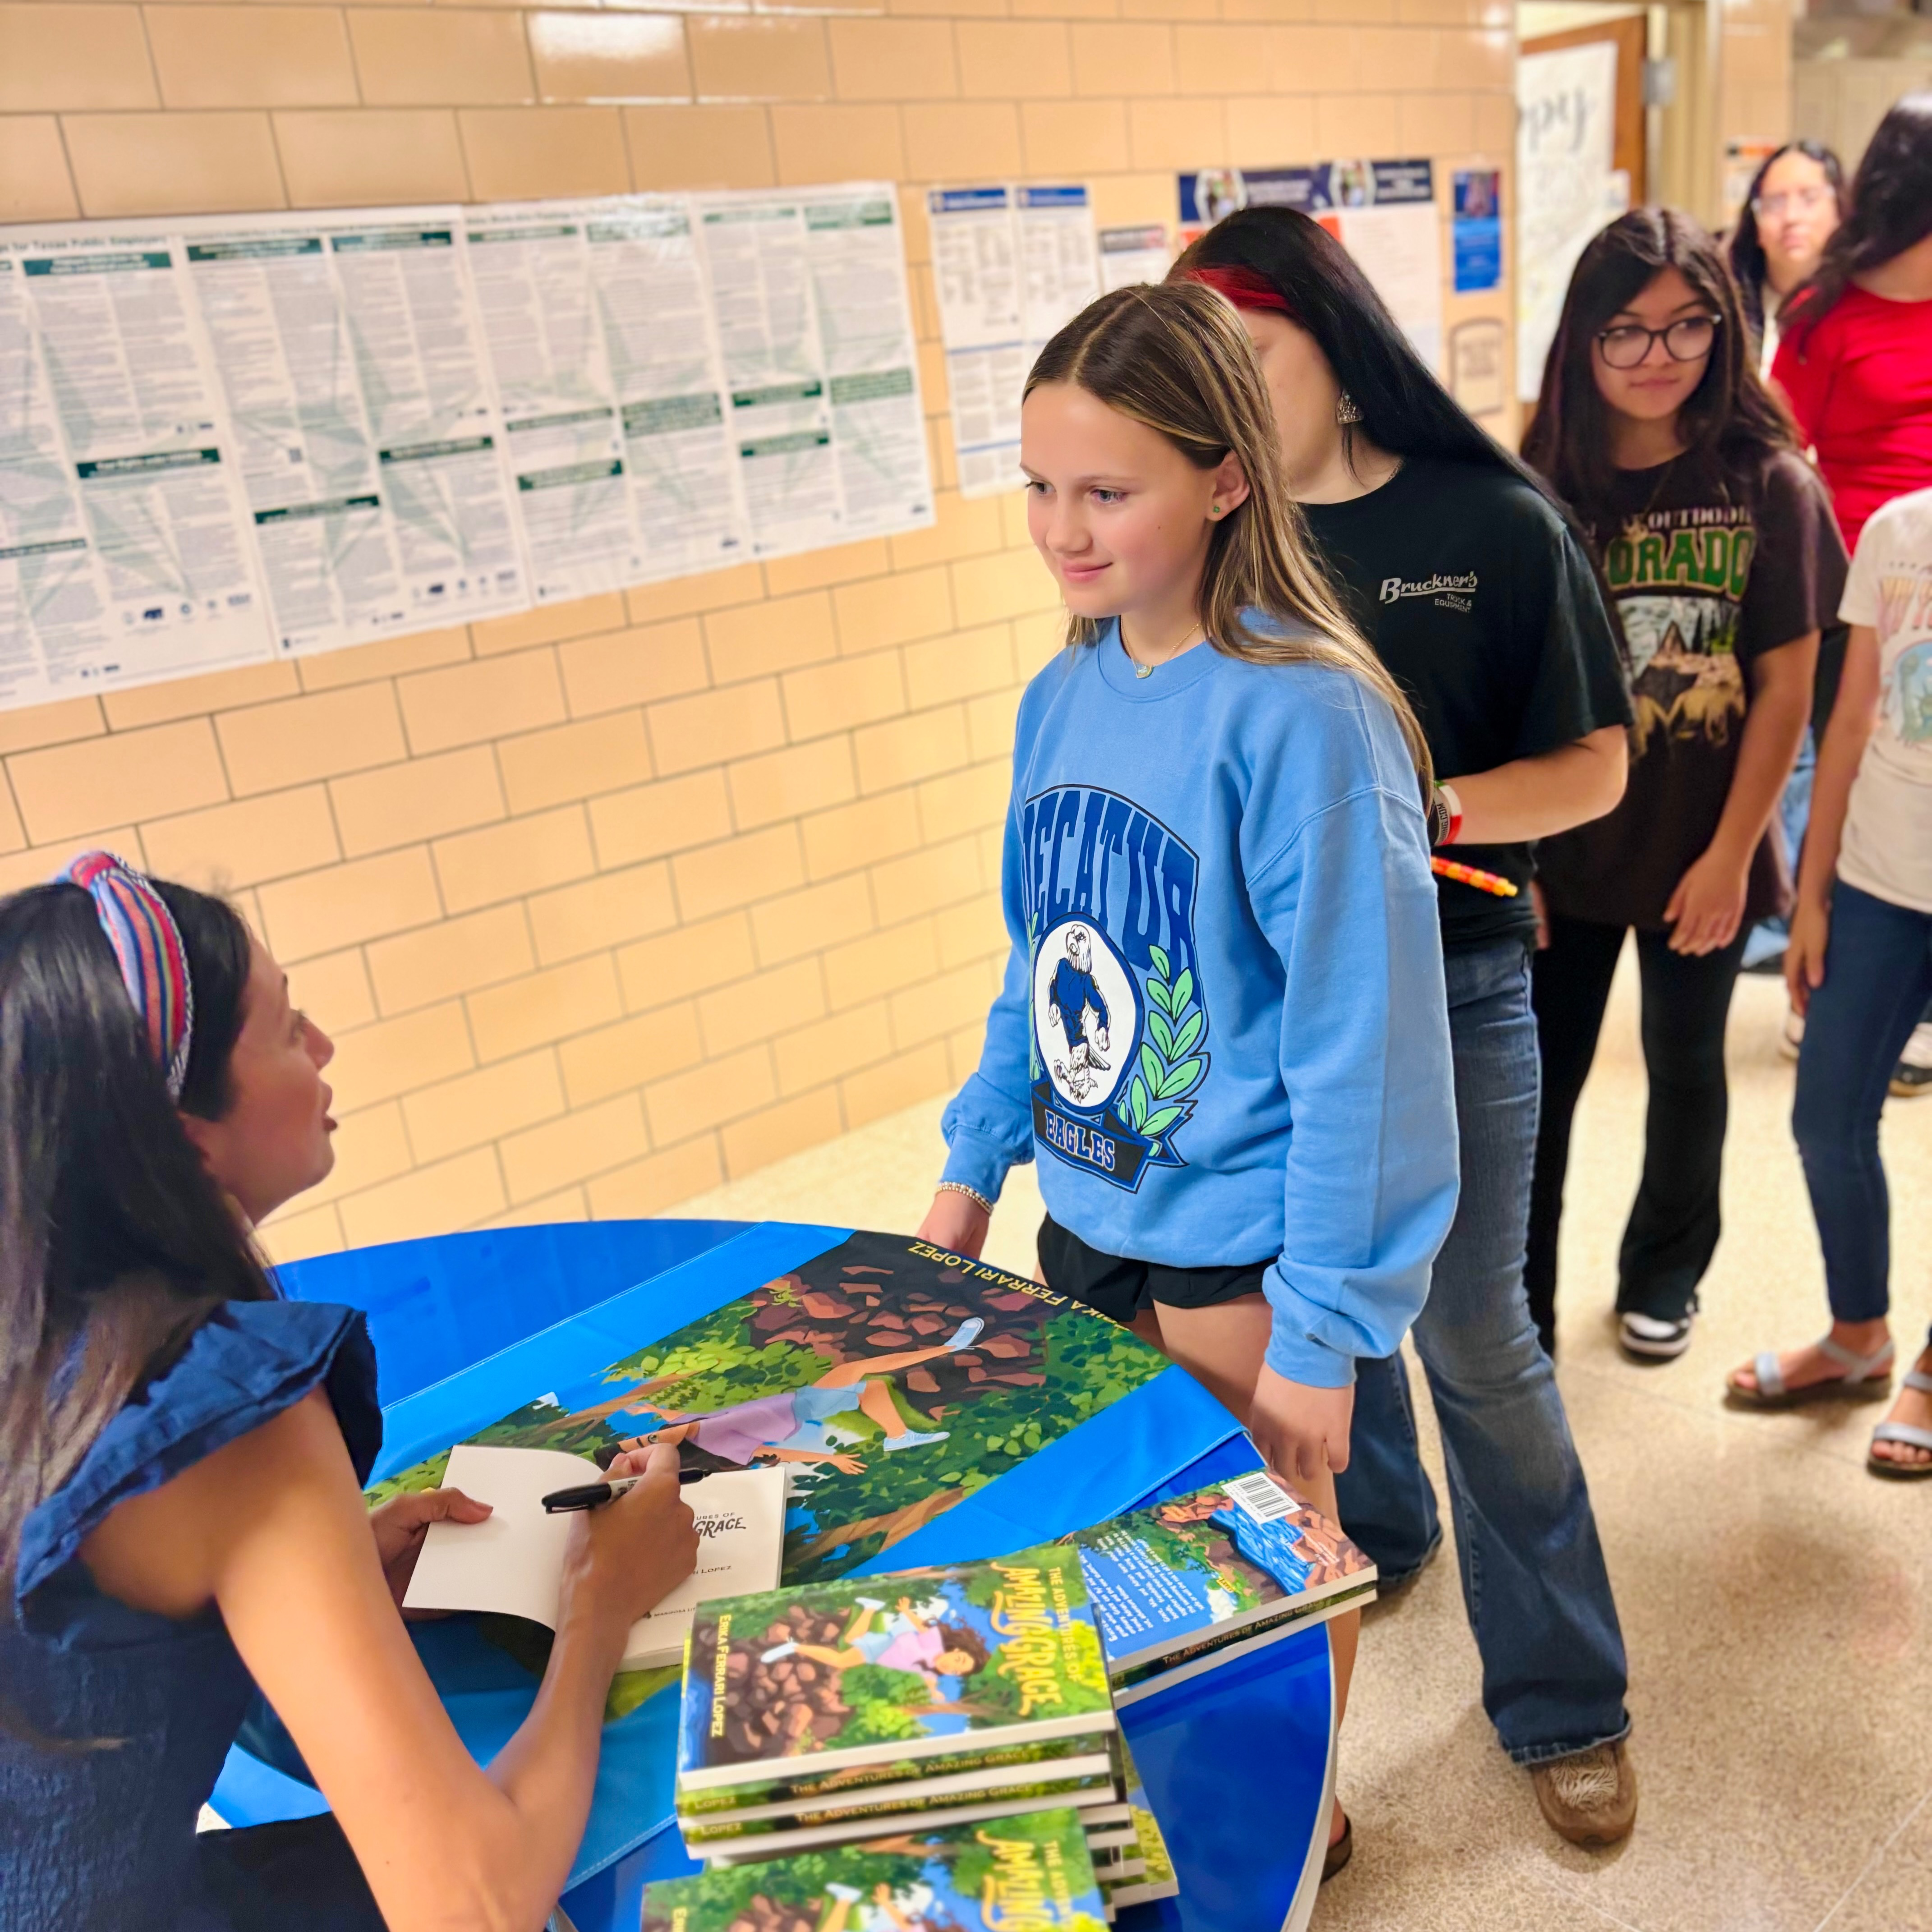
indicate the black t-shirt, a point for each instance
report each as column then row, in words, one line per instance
column 1479, row 600
column 1706, row 582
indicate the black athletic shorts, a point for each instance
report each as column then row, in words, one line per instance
column 1124, row 1288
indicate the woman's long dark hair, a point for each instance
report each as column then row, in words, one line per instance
column 1730, row 425
column 1748, row 263
column 115, row 1241
column 1892, row 209
column 1404, row 409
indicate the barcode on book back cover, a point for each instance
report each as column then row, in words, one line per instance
column 1260, row 1497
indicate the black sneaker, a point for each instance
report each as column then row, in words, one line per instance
column 1654, row 1338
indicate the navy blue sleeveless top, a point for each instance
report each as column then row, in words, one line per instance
column 116, row 1721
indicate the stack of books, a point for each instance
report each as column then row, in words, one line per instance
column 1130, row 1857
column 836, row 1712
column 997, row 1876
column 1185, row 1585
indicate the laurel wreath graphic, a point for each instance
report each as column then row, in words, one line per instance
column 1168, row 1069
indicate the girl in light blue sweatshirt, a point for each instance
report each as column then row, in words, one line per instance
column 1222, row 1032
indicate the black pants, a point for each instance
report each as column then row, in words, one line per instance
column 1673, row 1227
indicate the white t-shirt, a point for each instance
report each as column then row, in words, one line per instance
column 1774, row 305
column 1888, row 843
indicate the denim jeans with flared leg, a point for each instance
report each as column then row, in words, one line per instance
column 1534, row 1582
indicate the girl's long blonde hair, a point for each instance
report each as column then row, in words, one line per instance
column 1174, row 356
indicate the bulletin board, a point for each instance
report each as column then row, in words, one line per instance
column 1013, row 265
column 228, row 439
column 1383, row 212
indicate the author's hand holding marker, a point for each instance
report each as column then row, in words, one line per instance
column 626, row 1557
column 595, row 1496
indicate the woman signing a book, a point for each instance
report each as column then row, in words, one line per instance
column 181, row 1457
column 1223, row 1029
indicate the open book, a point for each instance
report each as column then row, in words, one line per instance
column 514, row 1563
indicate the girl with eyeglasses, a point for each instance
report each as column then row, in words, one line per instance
column 1797, row 198
column 1724, row 562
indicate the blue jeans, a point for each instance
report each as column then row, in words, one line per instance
column 1534, row 1582
column 1878, row 976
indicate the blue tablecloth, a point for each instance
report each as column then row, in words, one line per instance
column 1237, row 1763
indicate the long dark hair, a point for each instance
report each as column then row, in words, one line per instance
column 1892, row 209
column 1747, row 259
column 1730, row 425
column 1404, row 409
column 115, row 1241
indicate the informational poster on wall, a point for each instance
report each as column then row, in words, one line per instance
column 1383, row 212
column 1131, row 255
column 1476, row 229
column 231, row 439
column 1566, row 103
column 1012, row 265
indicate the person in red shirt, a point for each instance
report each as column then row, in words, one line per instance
column 1856, row 360
column 1855, row 353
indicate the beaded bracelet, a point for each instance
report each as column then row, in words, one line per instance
column 971, row 1193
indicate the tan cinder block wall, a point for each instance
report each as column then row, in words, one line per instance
column 1754, row 70
column 604, row 903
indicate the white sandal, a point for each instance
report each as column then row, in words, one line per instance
column 1866, row 1378
column 1909, row 1433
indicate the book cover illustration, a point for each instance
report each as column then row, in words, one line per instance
column 893, row 1379
column 833, row 1674
column 1218, row 1561
column 1025, row 1874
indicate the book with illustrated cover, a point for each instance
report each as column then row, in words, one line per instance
column 861, row 1782
column 1029, row 1873
column 927, row 1663
column 890, row 1378
column 848, row 1831
column 1186, row 1584
column 513, row 1564
column 1118, row 1835
column 1080, row 1781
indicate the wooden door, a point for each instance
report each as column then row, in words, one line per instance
column 1630, row 37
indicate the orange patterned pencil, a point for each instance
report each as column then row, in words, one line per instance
column 1467, row 875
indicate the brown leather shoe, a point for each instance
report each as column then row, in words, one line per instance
column 1590, row 1797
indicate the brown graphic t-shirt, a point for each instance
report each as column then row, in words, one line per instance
column 1705, row 585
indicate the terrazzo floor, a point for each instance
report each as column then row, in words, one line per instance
column 1776, row 1601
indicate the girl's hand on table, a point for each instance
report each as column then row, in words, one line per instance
column 1302, row 1432
column 957, row 1222
column 625, row 1557
column 400, row 1524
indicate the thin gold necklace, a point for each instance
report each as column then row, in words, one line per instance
column 1148, row 670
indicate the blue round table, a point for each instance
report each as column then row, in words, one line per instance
column 1238, row 1762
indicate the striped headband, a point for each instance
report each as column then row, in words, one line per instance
column 1246, row 288
column 148, row 945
